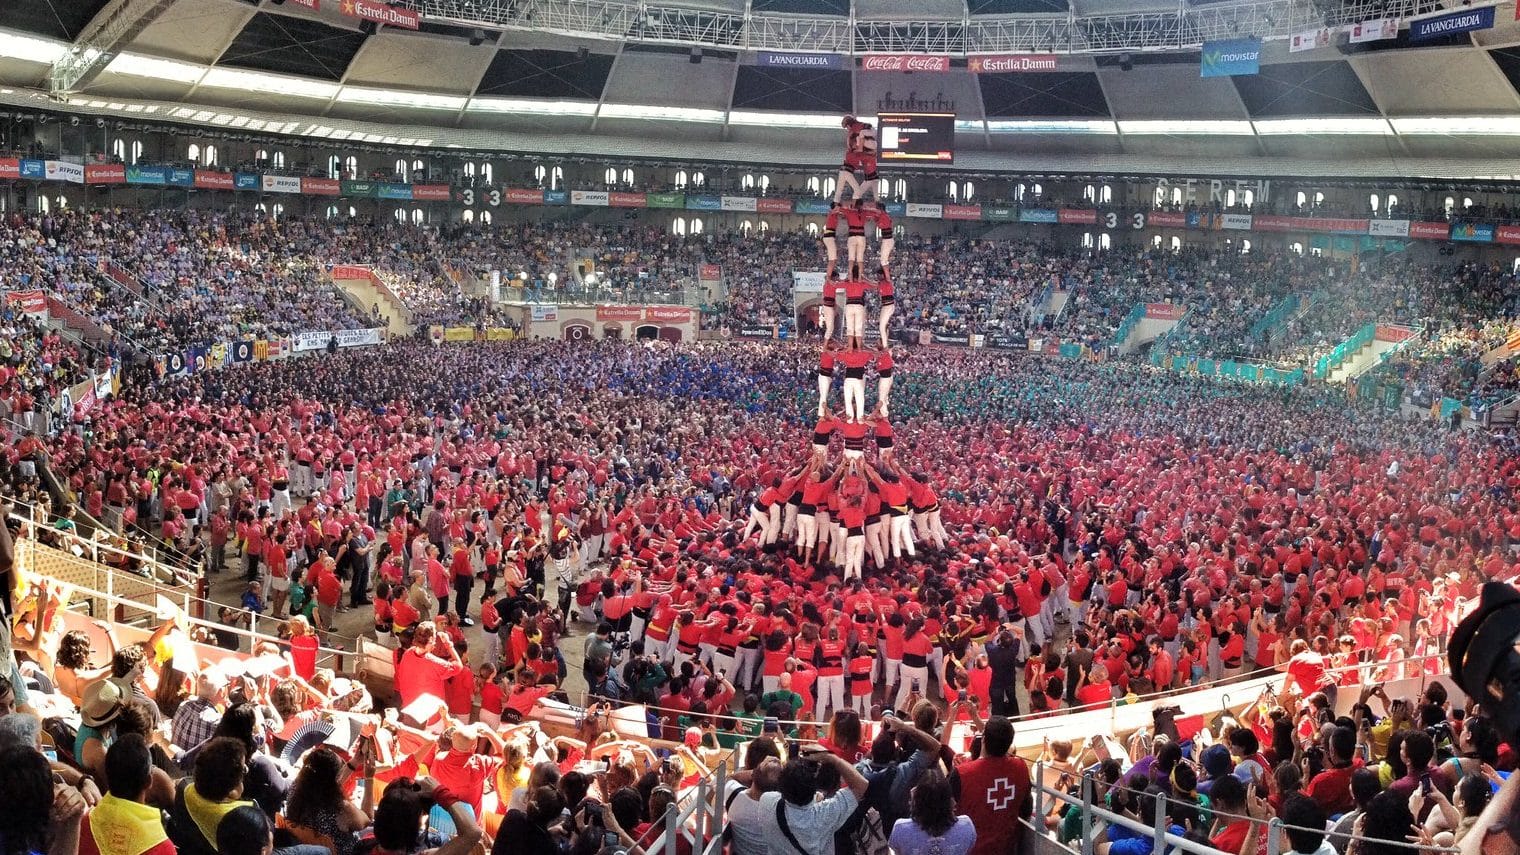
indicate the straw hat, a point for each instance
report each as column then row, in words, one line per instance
column 102, row 703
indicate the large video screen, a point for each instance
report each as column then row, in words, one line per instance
column 916, row 137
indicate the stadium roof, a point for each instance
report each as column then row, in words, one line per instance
column 600, row 77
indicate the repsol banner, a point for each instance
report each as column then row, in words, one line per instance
column 304, row 341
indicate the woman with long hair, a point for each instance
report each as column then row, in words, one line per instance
column 316, row 809
column 932, row 824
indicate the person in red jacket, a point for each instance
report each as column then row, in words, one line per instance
column 855, row 360
column 830, row 247
column 878, row 215
column 861, row 686
column 825, row 382
column 914, row 673
column 815, row 495
column 884, row 366
column 760, row 512
column 894, row 494
column 859, row 155
column 854, row 520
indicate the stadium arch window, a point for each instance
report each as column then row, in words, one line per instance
column 332, row 212
column 261, row 208
column 1316, row 252
column 137, row 151
column 277, row 211
column 279, row 160
column 1393, row 202
column 812, row 229
column 351, row 167
column 334, row 168
column 485, row 218
column 418, row 216
column 610, row 176
column 953, row 191
column 968, row 190
column 468, row 215
column 43, row 205
column 829, row 184
column 746, row 227
column 1302, row 199
column 899, row 230
column 765, row 183
column 1176, row 244
column 764, row 226
column 539, row 172
column 400, row 215
column 352, row 211
column 1467, row 202
column 678, row 226
column 556, row 175
column 899, row 187
column 1106, row 195
column 119, row 149
column 680, row 181
column 419, row 169
column 469, row 171
column 193, row 153
column 1450, row 205
column 813, row 184
column 699, row 179
column 1156, row 241
column 1105, row 241
column 696, row 225
column 1245, row 247
column 1296, row 248
column 628, row 177
column 1373, row 202
column 1176, row 195
column 1018, row 193
column 747, row 182
column 1229, row 198
column 1089, row 194
column 401, row 173
column 487, row 173
column 1250, row 198
column 261, row 155
column 1037, row 190
column 1319, row 197
column 1087, row 240
column 208, row 155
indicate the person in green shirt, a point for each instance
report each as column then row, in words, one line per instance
column 302, row 602
column 782, row 695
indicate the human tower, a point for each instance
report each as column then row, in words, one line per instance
column 841, row 512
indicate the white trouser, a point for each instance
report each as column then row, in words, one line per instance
column 902, row 535
column 789, row 522
column 830, row 694
column 824, row 382
column 748, row 662
column 279, row 503
column 825, row 528
column 855, row 320
column 854, row 397
column 861, row 704
column 911, row 676
column 723, row 664
column 758, row 521
column 855, row 556
column 773, row 523
column 876, row 543
column 807, row 531
column 883, row 385
column 840, row 542
column 593, row 549
column 706, row 652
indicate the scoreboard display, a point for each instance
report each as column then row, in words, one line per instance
column 922, row 137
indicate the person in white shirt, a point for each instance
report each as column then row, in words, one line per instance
column 795, row 821
column 742, row 805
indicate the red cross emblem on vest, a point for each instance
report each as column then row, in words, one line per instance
column 1001, row 793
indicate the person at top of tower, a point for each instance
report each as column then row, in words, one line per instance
column 859, row 156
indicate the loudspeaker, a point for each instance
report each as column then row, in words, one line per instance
column 1126, row 62
column 696, row 56
column 477, row 38
column 581, row 53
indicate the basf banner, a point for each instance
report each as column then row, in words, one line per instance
column 1231, row 58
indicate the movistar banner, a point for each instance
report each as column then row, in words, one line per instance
column 1038, row 215
column 811, row 206
column 394, row 191
column 1232, row 58
column 147, row 175
column 704, row 203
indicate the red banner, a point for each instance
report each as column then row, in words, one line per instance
column 1332, row 224
column 1165, row 311
column 10, row 167
column 524, row 197
column 1270, row 223
column 105, row 173
column 30, row 302
column 1167, row 219
column 709, row 273
column 773, row 206
column 962, row 212
column 668, row 314
column 627, row 200
column 1507, row 234
column 1430, row 231
column 349, row 271
column 1074, row 216
column 431, row 192
column 903, row 62
column 619, row 313
column 1003, row 63
column 380, row 13
column 1388, row 332
column 320, row 186
column 207, row 179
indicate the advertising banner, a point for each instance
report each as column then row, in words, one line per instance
column 999, row 213
column 63, row 170
column 904, row 62
column 619, row 313
column 313, row 5
column 896, row 209
column 1230, row 58
column 773, row 206
column 181, row 178
column 668, row 314
column 1076, row 216
column 1309, row 40
column 556, row 197
column 518, row 196
column 459, row 334
column 1375, row 30
column 304, row 341
column 1472, row 232
column 30, row 302
column 925, row 211
column 10, row 168
column 1235, row 222
column 1200, row 219
column 209, row 179
column 756, row 332
column 773, row 59
column 240, row 180
column 593, row 198
column 430, row 192
column 665, row 200
column 704, row 203
column 1165, row 311
column 806, row 283
column 1430, row 231
column 1012, row 63
column 280, row 184
column 953, row 340
column 105, row 173
column 34, row 169
column 380, row 13
column 155, row 175
column 387, row 190
column 543, row 312
column 627, row 200
column 963, row 212
column 321, row 186
column 1465, row 21
column 709, row 273
column 812, row 206
column 1337, row 225
column 349, row 271
column 1507, row 235
column 359, row 189
column 1167, row 219
column 746, row 204
column 1039, row 215
column 1388, row 228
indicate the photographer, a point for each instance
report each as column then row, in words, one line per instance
column 797, row 824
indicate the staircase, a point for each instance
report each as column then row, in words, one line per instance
column 368, row 292
column 1505, row 414
column 1361, row 361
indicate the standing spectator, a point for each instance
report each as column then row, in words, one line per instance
column 796, row 821
column 991, row 784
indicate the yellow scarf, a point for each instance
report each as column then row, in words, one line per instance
column 122, row 827
column 208, row 814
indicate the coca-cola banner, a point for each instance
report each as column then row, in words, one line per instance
column 1012, row 63
column 904, row 62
